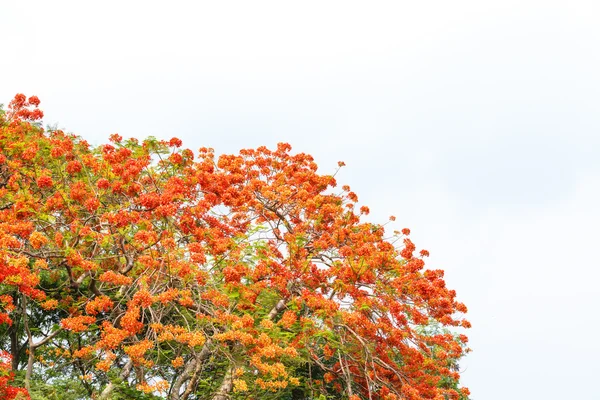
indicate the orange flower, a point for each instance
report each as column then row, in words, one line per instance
column 177, row 362
column 77, row 324
column 37, row 240
column 138, row 350
column 100, row 303
column 115, row 278
column 50, row 304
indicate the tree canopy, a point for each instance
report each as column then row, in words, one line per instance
column 138, row 269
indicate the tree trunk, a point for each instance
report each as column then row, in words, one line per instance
column 226, row 386
column 15, row 349
column 110, row 387
column 191, row 367
column 31, row 357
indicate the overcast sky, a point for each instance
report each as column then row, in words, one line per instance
column 475, row 123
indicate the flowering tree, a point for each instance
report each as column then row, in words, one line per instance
column 142, row 270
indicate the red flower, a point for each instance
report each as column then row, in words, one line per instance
column 175, row 142
column 44, row 181
column 34, row 101
column 73, row 167
column 103, row 183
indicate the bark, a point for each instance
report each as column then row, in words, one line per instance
column 193, row 380
column 15, row 348
column 31, row 357
column 227, row 384
column 277, row 309
column 347, row 375
column 181, row 379
column 31, row 345
column 190, row 369
column 110, row 387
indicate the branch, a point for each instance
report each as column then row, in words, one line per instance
column 346, row 372
column 46, row 339
column 281, row 304
column 226, row 386
column 189, row 369
column 110, row 387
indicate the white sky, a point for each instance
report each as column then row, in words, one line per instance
column 476, row 123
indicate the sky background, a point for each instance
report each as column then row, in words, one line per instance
column 475, row 123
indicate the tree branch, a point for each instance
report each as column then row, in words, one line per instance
column 110, row 387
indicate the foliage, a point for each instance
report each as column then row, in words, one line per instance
column 139, row 270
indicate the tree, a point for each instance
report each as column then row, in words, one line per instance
column 140, row 270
